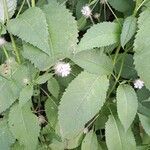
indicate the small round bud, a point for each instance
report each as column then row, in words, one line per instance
column 41, row 119
column 86, row 130
column 26, row 81
column 96, row 15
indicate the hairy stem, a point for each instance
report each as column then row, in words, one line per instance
column 33, row 3
column 12, row 39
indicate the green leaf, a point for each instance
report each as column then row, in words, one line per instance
column 122, row 5
column 40, row 60
column 31, row 27
column 12, row 77
column 60, row 24
column 24, row 126
column 56, row 145
column 75, row 142
column 43, row 78
column 17, row 146
column 94, row 61
column 145, row 121
column 128, row 70
column 99, row 35
column 127, row 105
column 11, row 5
column 51, row 112
column 25, row 95
column 90, row 142
column 84, row 97
column 6, row 137
column 116, row 137
column 128, row 30
column 143, row 110
column 141, row 48
column 53, row 87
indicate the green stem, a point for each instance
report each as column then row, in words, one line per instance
column 5, row 52
column 28, row 3
column 12, row 39
column 15, row 48
column 20, row 8
column 33, row 3
column 119, row 74
column 138, row 7
column 116, row 55
column 113, row 13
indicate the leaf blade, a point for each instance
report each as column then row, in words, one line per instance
column 83, row 102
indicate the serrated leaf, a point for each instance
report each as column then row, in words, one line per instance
column 94, row 61
column 74, row 143
column 53, row 87
column 51, row 110
column 145, row 121
column 84, row 97
column 116, row 137
column 141, row 48
column 99, row 35
column 127, row 105
column 40, row 60
column 90, row 142
column 60, row 24
column 13, row 82
column 24, row 126
column 25, row 95
column 6, row 137
column 31, row 21
column 128, row 30
column 11, row 6
column 43, row 78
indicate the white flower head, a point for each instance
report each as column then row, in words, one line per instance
column 41, row 119
column 86, row 130
column 86, row 11
column 138, row 84
column 2, row 41
column 62, row 69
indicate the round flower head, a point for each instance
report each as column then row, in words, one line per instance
column 2, row 41
column 62, row 69
column 86, row 11
column 138, row 84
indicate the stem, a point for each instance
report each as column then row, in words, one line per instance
column 113, row 13
column 5, row 52
column 12, row 39
column 20, row 8
column 116, row 55
column 15, row 48
column 33, row 3
column 137, row 8
column 28, row 3
column 120, row 71
column 92, row 20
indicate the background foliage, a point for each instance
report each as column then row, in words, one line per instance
column 99, row 104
